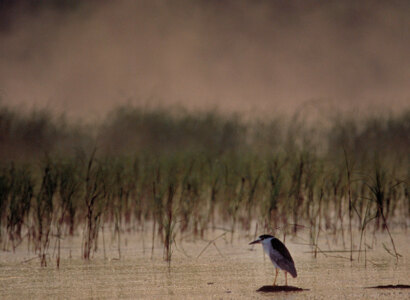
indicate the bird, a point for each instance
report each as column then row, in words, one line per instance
column 278, row 254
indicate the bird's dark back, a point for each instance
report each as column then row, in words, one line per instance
column 280, row 247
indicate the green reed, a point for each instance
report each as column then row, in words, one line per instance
column 18, row 188
column 183, row 174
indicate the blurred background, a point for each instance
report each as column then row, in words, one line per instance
column 74, row 70
column 84, row 58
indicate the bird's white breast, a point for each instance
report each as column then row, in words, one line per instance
column 272, row 253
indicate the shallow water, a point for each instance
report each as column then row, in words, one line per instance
column 230, row 271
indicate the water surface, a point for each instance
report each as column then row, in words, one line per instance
column 227, row 271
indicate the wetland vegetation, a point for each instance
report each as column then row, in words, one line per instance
column 178, row 174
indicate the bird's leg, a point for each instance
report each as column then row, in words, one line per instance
column 276, row 276
column 286, row 278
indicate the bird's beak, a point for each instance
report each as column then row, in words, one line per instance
column 255, row 242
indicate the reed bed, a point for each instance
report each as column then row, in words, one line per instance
column 186, row 174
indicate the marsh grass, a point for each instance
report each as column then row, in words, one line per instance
column 18, row 191
column 68, row 190
column 182, row 174
column 44, row 210
column 169, row 223
column 94, row 195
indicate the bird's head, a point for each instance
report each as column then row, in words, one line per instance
column 261, row 238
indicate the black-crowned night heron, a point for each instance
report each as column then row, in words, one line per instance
column 279, row 255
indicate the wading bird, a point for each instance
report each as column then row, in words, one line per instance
column 279, row 255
